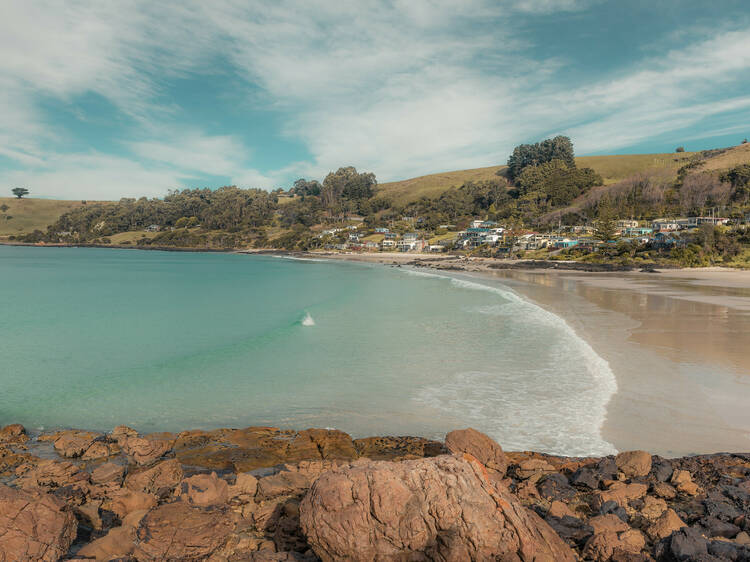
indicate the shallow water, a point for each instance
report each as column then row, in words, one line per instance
column 167, row 341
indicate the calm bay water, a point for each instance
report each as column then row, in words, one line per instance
column 94, row 338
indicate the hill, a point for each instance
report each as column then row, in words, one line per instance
column 611, row 168
column 26, row 215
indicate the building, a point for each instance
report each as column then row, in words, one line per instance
column 566, row 243
column 153, row 228
column 633, row 232
column 391, row 235
column 436, row 248
column 381, row 230
column 410, row 237
column 623, row 224
column 388, row 244
column 665, row 225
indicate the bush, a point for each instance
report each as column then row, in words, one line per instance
column 680, row 149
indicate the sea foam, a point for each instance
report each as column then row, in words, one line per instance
column 555, row 403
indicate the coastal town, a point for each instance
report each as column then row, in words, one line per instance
column 490, row 238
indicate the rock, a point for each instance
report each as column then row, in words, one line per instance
column 534, row 468
column 620, row 493
column 555, row 487
column 328, row 443
column 204, row 490
column 634, row 464
column 245, row 485
column 121, row 502
column 608, row 523
column 160, row 480
column 13, row 434
column 661, row 469
column 88, row 513
column 283, row 483
column 73, row 443
column 742, row 538
column 34, row 526
column 122, row 433
column 52, row 474
column 725, row 550
column 118, row 543
column 10, row 459
column 683, row 481
column 718, row 528
column 664, row 490
column 101, row 450
column 442, row 508
column 653, row 508
column 688, row 544
column 665, row 525
column 614, row 508
column 585, row 478
column 559, row 509
column 393, row 448
column 605, row 545
column 108, row 473
column 480, row 446
column 177, row 531
column 144, row 451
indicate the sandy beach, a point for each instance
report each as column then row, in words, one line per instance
column 678, row 342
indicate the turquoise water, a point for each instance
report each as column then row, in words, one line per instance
column 94, row 338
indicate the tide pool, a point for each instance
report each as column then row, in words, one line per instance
column 94, row 338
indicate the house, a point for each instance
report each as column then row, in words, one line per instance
column 632, row 232
column 690, row 222
column 410, row 237
column 581, row 229
column 353, row 237
column 446, row 226
column 405, row 245
column 716, row 221
column 371, row 246
column 388, row 244
column 391, row 235
column 566, row 243
column 153, row 228
column 666, row 240
column 623, row 224
column 665, row 225
column 381, row 230
column 436, row 248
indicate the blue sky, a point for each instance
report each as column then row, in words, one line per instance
column 104, row 99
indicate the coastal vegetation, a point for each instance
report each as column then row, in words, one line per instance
column 543, row 188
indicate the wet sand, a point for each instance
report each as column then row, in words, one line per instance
column 678, row 342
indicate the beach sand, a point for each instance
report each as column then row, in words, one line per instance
column 678, row 342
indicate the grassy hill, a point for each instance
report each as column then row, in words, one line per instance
column 611, row 168
column 26, row 215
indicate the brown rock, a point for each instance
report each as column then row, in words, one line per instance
column 620, row 493
column 204, row 490
column 560, row 510
column 601, row 546
column 73, row 443
column 34, row 526
column 101, row 450
column 478, row 445
column 534, row 468
column 442, row 508
column 665, row 525
column 52, row 474
column 397, row 448
column 683, row 481
column 245, row 485
column 178, row 531
column 664, row 490
column 118, row 543
column 142, row 450
column 14, row 433
column 634, row 464
column 608, row 523
column 327, row 443
column 10, row 459
column 283, row 483
column 653, row 507
column 121, row 502
column 108, row 473
column 160, row 480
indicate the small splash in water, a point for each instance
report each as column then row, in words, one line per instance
column 308, row 320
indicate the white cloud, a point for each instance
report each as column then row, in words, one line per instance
column 401, row 88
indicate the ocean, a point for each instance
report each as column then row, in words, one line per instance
column 166, row 341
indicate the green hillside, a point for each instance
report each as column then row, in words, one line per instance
column 26, row 215
column 611, row 168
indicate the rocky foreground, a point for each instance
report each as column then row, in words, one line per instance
column 268, row 494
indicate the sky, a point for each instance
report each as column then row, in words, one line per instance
column 106, row 99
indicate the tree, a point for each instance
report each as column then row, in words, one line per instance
column 304, row 187
column 20, row 191
column 605, row 225
column 680, row 149
column 348, row 185
column 558, row 148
